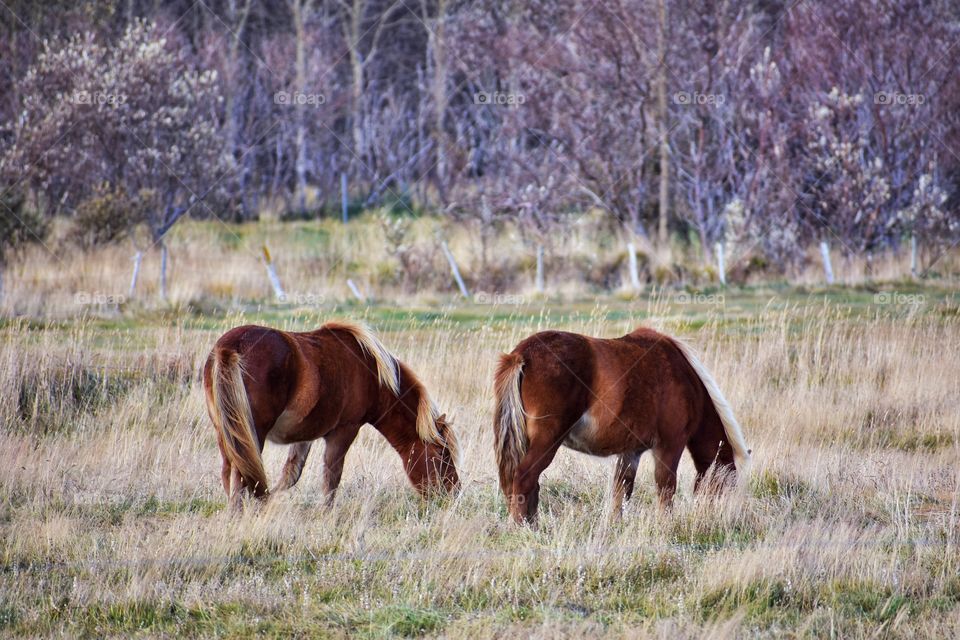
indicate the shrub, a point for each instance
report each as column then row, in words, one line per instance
column 106, row 217
column 19, row 226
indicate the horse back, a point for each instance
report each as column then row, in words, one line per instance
column 301, row 385
column 558, row 375
column 266, row 367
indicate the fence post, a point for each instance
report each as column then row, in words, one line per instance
column 356, row 291
column 454, row 269
column 721, row 263
column 163, row 270
column 137, row 260
column 343, row 196
column 632, row 266
column 913, row 255
column 272, row 275
column 827, row 267
column 540, row 276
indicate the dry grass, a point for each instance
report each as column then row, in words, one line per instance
column 112, row 520
column 215, row 267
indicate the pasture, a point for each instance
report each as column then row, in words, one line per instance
column 113, row 521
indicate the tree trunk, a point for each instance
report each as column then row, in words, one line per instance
column 664, row 143
column 437, row 43
column 300, row 10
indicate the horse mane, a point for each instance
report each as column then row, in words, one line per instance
column 388, row 370
column 731, row 427
column 428, row 415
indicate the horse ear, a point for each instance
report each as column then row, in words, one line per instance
column 442, row 418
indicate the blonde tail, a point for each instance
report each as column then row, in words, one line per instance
column 509, row 422
column 741, row 453
column 230, row 410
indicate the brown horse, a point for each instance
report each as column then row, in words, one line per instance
column 644, row 391
column 292, row 388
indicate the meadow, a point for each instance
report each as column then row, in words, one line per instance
column 113, row 522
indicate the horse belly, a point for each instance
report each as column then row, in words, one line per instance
column 584, row 436
column 287, row 429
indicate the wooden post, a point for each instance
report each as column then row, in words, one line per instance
column 272, row 275
column 343, row 196
column 137, row 260
column 454, row 269
column 913, row 255
column 163, row 270
column 721, row 267
column 356, row 291
column 540, row 277
column 632, row 266
column 827, row 267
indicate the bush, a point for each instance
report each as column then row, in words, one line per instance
column 106, row 217
column 19, row 226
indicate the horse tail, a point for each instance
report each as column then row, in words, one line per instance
column 741, row 453
column 510, row 420
column 230, row 411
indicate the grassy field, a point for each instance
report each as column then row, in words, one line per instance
column 112, row 520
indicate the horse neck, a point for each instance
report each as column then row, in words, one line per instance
column 398, row 416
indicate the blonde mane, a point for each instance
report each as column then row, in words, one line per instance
column 388, row 369
column 388, row 374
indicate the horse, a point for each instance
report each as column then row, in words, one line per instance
column 622, row 396
column 263, row 384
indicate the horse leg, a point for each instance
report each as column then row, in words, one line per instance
column 235, row 492
column 334, row 454
column 236, row 486
column 225, row 472
column 294, row 465
column 623, row 478
column 665, row 473
column 706, row 449
column 525, row 497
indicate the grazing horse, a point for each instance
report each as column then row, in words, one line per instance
column 644, row 391
column 292, row 388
